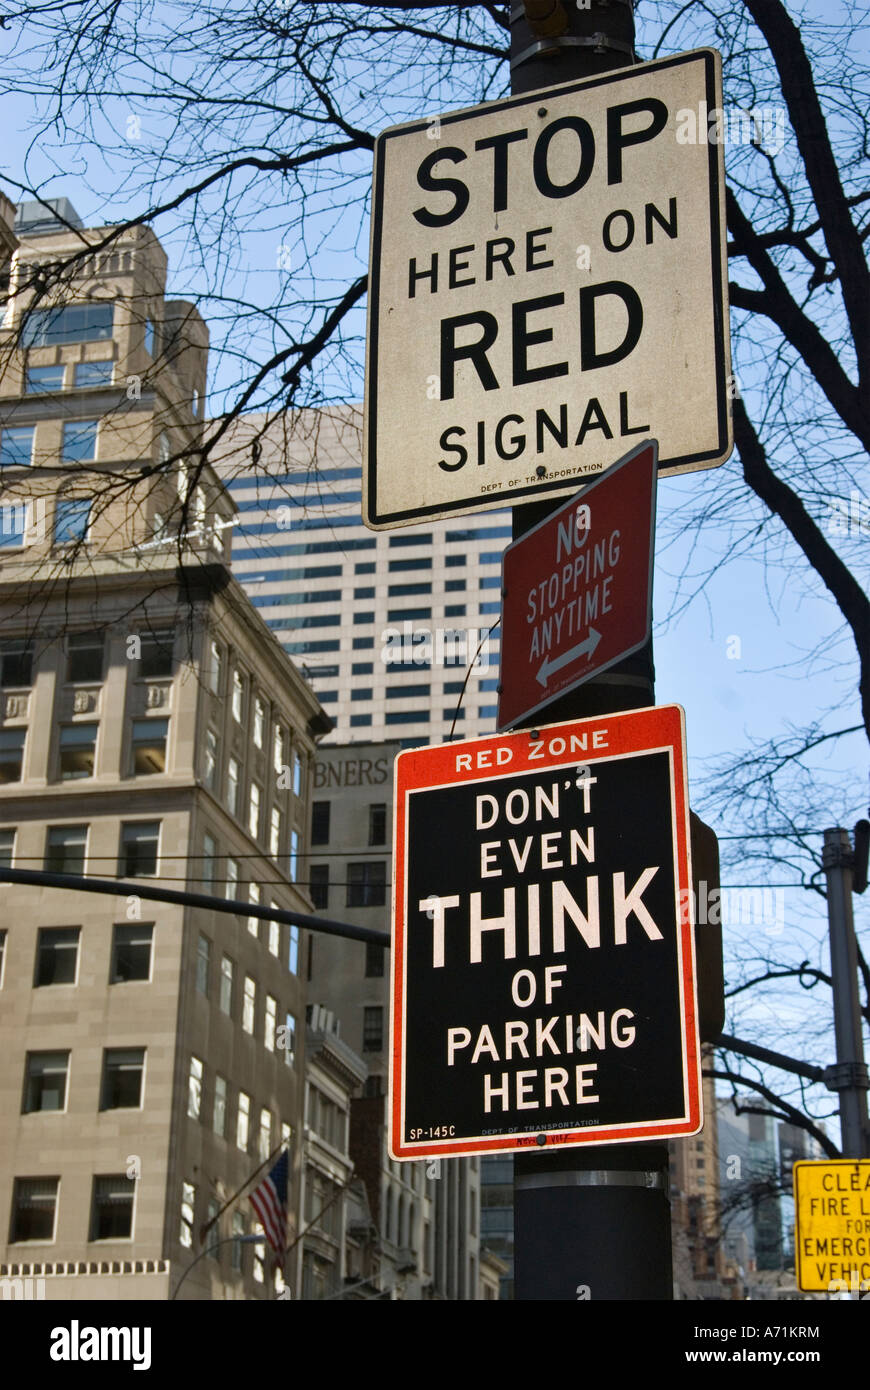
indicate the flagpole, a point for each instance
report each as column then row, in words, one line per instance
column 339, row 1189
column 204, row 1230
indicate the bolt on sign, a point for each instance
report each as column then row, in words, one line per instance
column 832, row 1225
column 577, row 588
column 547, row 282
column 543, row 987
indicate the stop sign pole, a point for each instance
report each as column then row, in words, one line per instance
column 589, row 1223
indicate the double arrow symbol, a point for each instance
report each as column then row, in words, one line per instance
column 584, row 648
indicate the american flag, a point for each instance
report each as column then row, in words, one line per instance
column 269, row 1201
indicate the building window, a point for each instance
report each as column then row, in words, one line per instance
column 211, row 755
column 41, row 379
column 374, row 960
column 149, row 746
column 11, row 754
column 215, row 669
column 213, row 1234
column 378, row 824
column 78, row 744
column 71, row 519
column 237, row 1249
column 254, row 811
column 361, row 693
column 156, row 654
column 249, row 1004
column 243, row 1121
column 271, row 1023
column 233, row 786
column 16, row 664
column 93, row 373
column 65, row 849
column 2, row 952
column 293, row 857
column 408, row 590
column 289, row 1039
column 219, row 1114
column 188, row 1208
column 397, row 615
column 203, row 957
column 297, row 775
column 45, row 1085
column 278, row 748
column 274, row 934
column 238, row 696
column 362, row 668
column 319, row 885
column 275, row 833
column 13, row 524
column 232, row 882
column 194, row 1088
column 112, row 1208
column 74, row 323
column 254, row 896
column 79, row 441
column 373, row 1029
column 264, row 1137
column 149, row 337
column 406, row 692
column 259, row 722
column 259, row 1271
column 293, row 952
column 320, row 822
column 57, row 952
column 131, row 952
column 16, row 447
column 209, row 862
column 360, row 720
column 7, row 848
column 123, row 1070
column 225, row 1000
column 139, row 842
column 85, row 657
column 34, row 1204
column 366, row 884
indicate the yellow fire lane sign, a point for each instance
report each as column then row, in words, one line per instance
column 832, row 1225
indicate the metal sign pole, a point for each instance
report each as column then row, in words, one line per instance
column 850, row 1074
column 594, row 1223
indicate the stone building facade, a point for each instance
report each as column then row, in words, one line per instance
column 151, row 730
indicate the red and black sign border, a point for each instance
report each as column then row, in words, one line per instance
column 631, row 733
